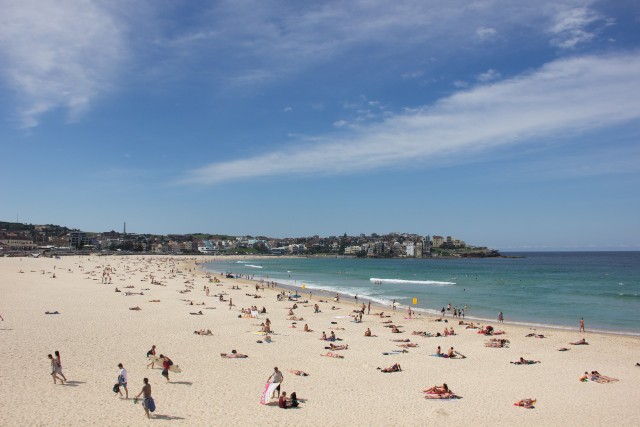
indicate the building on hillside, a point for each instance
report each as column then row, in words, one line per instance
column 77, row 239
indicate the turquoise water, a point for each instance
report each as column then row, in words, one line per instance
column 544, row 288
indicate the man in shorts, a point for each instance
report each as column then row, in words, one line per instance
column 277, row 378
column 122, row 380
column 147, row 403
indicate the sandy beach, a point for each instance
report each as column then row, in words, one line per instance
column 95, row 330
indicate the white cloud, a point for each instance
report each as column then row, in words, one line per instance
column 488, row 75
column 412, row 75
column 57, row 55
column 287, row 109
column 485, row 33
column 571, row 27
column 571, row 95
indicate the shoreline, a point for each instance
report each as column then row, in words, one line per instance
column 430, row 313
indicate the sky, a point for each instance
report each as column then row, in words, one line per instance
column 507, row 124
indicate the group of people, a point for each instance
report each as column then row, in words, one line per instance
column 56, row 368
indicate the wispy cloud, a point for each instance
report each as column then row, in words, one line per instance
column 488, row 76
column 486, row 33
column 57, row 55
column 576, row 26
column 571, row 95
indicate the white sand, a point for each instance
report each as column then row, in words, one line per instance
column 96, row 330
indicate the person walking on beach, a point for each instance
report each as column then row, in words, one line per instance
column 59, row 365
column 582, row 324
column 122, row 380
column 150, row 355
column 276, row 378
column 393, row 305
column 501, row 318
column 54, row 370
column 369, row 308
column 147, row 401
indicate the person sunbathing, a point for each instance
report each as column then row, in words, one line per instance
column 393, row 368
column 135, row 308
column 534, row 335
column 523, row 361
column 599, row 378
column 306, row 328
column 453, row 354
column 401, row 340
column 334, row 355
column 203, row 332
column 580, row 342
column 395, row 330
column 443, row 389
column 497, row 343
column 52, row 312
column 295, row 318
column 526, row 403
column 233, row 355
column 197, row 314
column 367, row 333
column 298, row 373
column 563, row 349
column 118, row 290
column 332, row 346
column 410, row 345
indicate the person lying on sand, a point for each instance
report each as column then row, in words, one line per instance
column 136, row 308
column 580, row 342
column 118, row 290
column 410, row 345
column 197, row 314
column 203, row 332
column 564, row 349
column 401, row 340
column 329, row 354
column 526, row 403
column 497, row 343
column 436, row 389
column 295, row 318
column 298, row 373
column 597, row 377
column 395, row 330
column 393, row 368
column 534, row 335
column 154, row 300
column 233, row 355
column 332, row 346
column 52, row 312
column 523, row 361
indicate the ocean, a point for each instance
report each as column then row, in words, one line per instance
column 539, row 289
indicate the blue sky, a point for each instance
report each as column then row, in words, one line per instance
column 504, row 123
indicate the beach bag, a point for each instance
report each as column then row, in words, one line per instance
column 116, row 388
column 151, row 405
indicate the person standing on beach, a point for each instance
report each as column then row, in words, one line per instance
column 582, row 324
column 276, row 378
column 369, row 308
column 122, row 380
column 54, row 370
column 146, row 397
column 394, row 305
column 501, row 318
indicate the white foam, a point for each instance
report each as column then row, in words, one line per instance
column 416, row 282
column 253, row 266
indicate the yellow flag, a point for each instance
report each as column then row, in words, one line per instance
column 304, row 286
column 415, row 301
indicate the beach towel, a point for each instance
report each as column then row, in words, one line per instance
column 150, row 404
column 269, row 388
